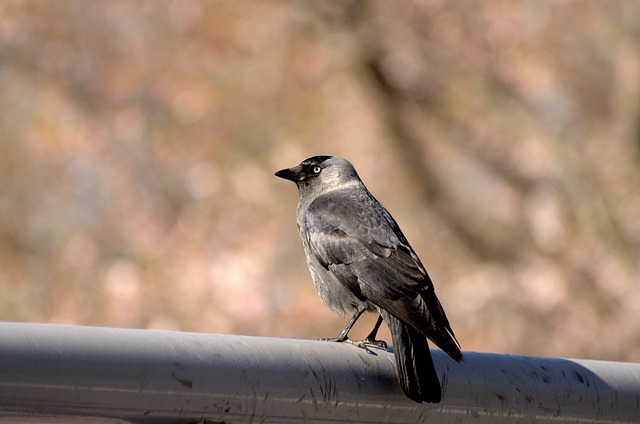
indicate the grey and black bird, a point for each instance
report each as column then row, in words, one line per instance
column 360, row 261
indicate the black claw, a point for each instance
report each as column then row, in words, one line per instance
column 363, row 344
column 380, row 344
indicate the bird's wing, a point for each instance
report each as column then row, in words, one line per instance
column 359, row 234
column 355, row 237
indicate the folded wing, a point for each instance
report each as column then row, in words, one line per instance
column 367, row 252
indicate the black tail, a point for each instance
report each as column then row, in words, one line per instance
column 416, row 372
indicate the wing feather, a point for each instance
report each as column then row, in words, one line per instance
column 341, row 232
column 357, row 239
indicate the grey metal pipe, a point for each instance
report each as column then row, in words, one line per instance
column 56, row 373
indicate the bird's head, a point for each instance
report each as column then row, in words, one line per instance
column 319, row 174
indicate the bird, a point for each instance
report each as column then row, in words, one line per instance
column 360, row 261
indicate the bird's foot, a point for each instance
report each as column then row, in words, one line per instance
column 366, row 344
column 363, row 344
column 380, row 344
column 337, row 339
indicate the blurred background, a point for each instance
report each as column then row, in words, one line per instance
column 138, row 142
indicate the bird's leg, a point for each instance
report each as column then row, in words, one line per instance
column 371, row 338
column 342, row 337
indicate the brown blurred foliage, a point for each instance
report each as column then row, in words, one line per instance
column 138, row 142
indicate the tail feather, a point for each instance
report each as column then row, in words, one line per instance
column 416, row 372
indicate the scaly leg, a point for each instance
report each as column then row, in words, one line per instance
column 343, row 336
column 371, row 338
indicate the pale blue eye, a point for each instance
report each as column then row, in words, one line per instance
column 316, row 169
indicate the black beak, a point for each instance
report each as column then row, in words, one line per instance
column 292, row 174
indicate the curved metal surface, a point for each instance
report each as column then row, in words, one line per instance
column 54, row 373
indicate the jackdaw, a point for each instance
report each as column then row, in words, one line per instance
column 360, row 261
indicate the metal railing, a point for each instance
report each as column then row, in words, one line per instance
column 55, row 373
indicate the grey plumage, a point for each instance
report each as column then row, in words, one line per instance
column 360, row 261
